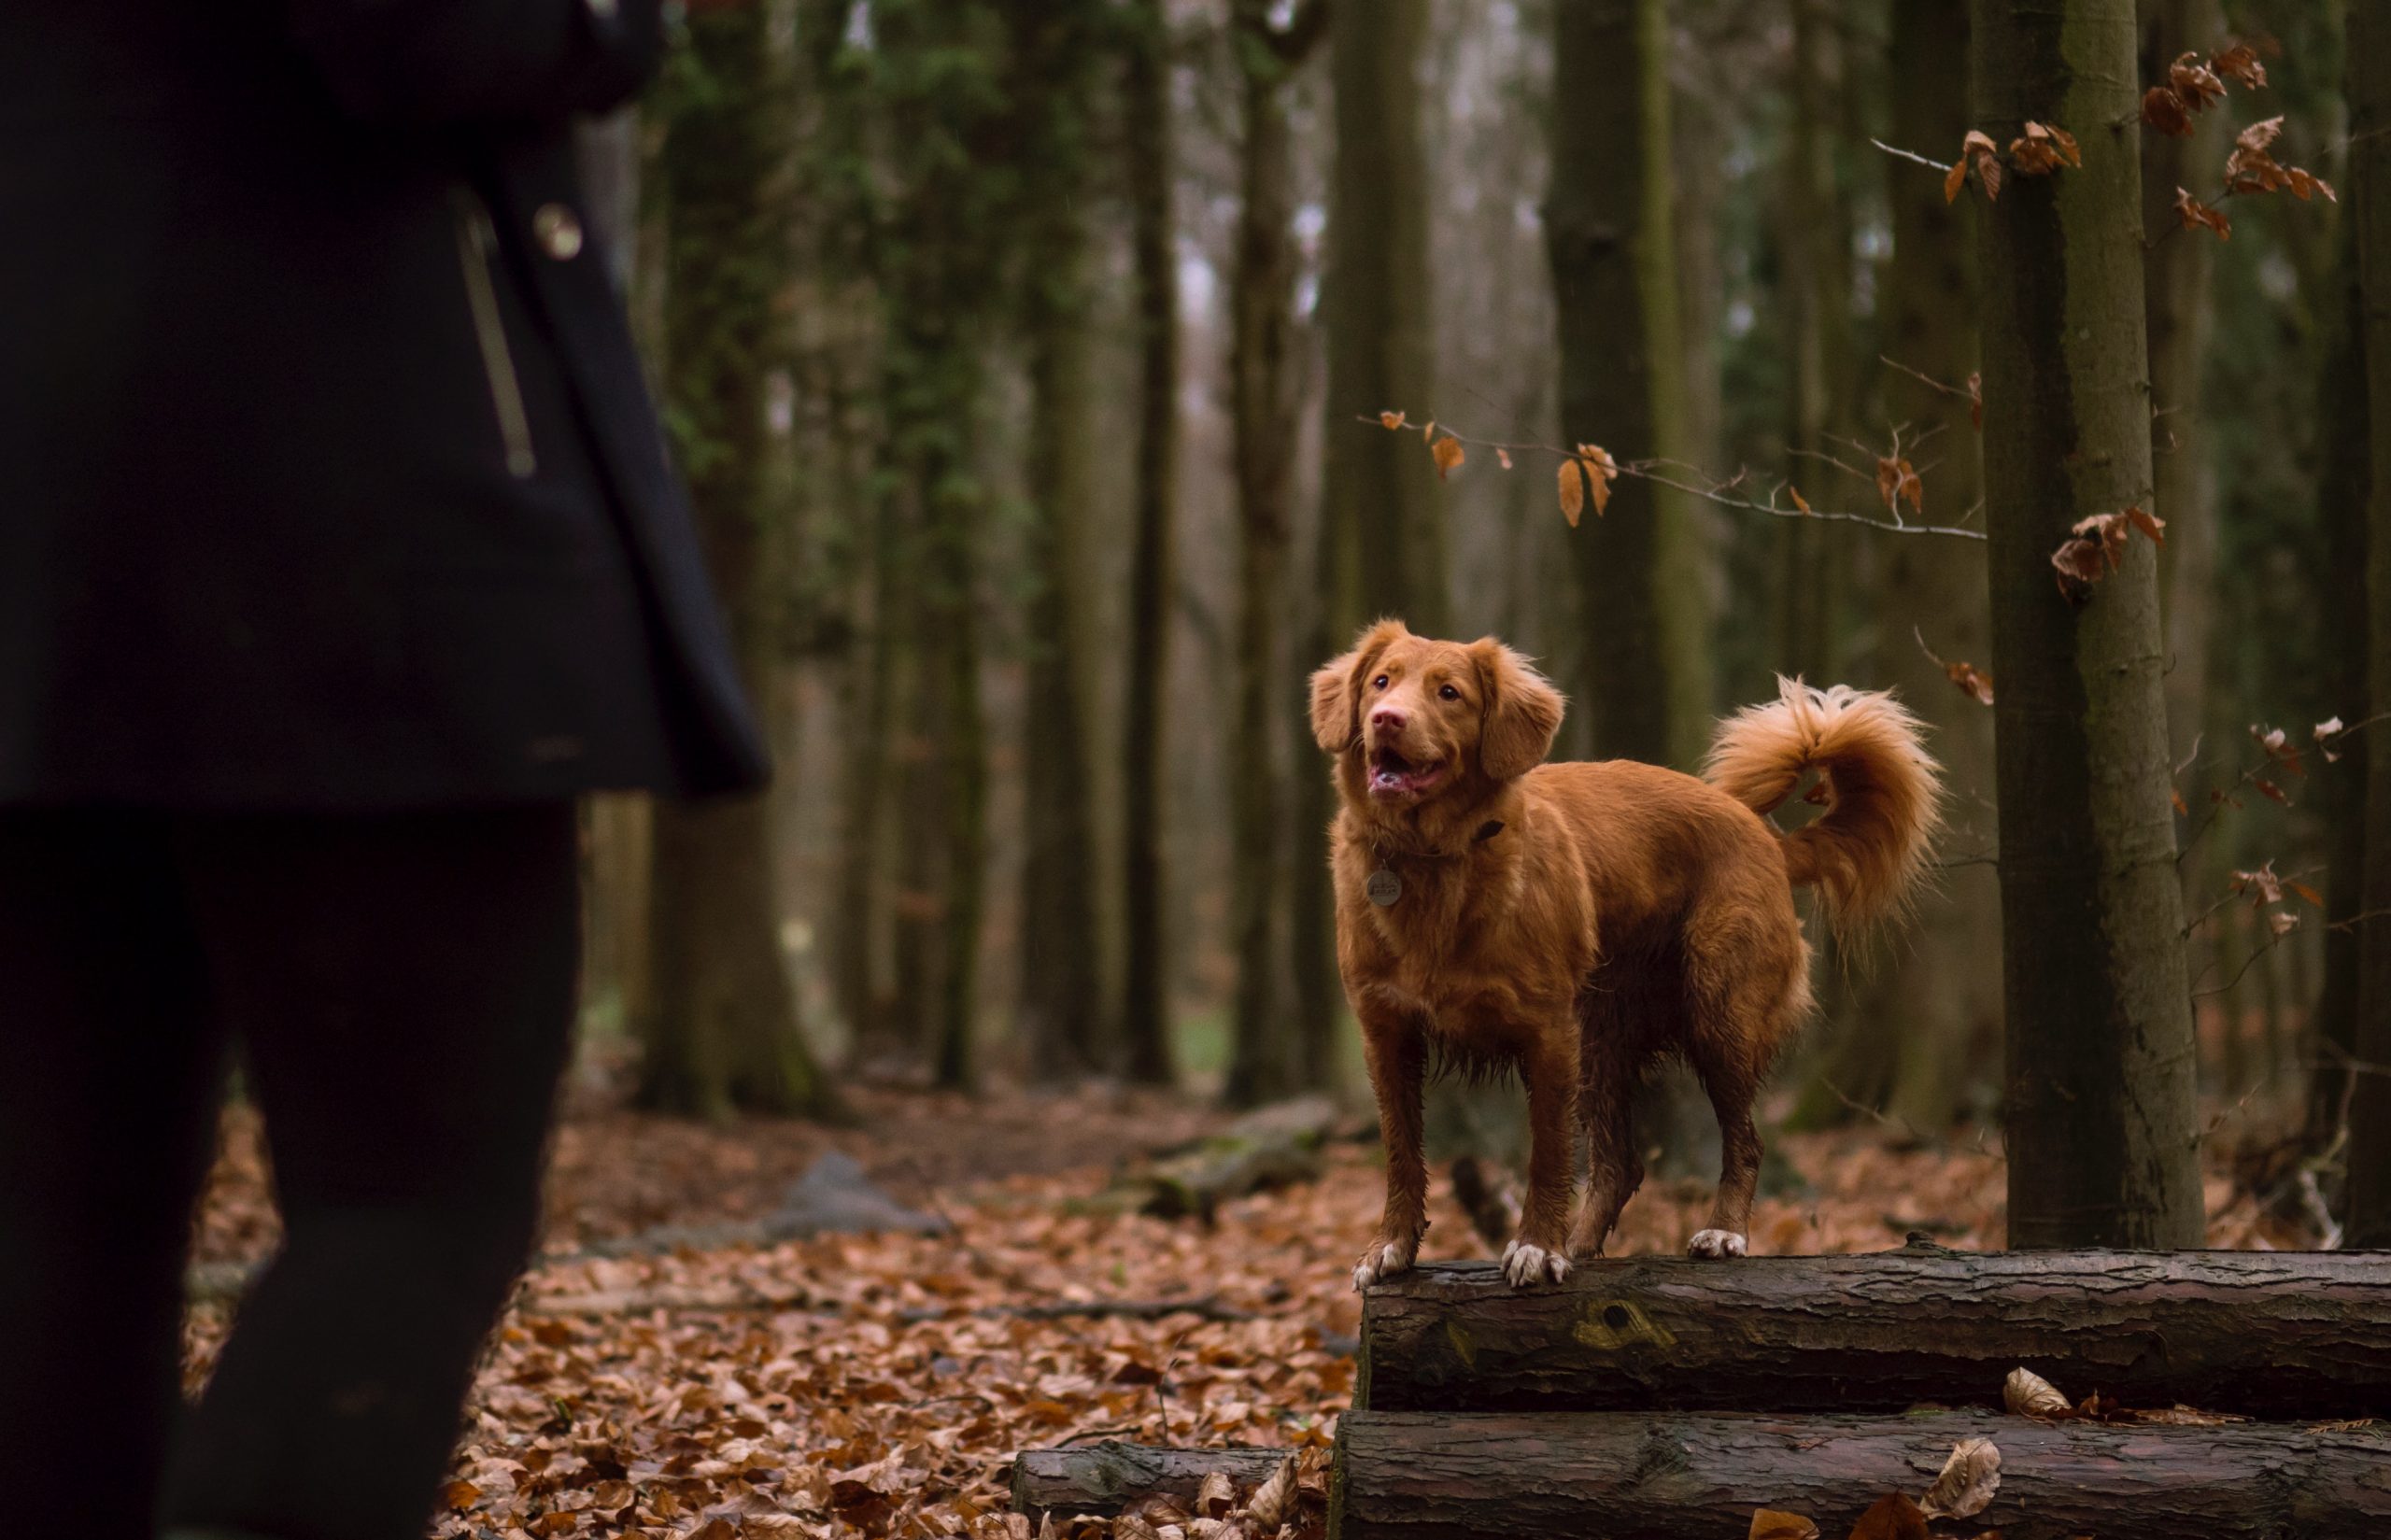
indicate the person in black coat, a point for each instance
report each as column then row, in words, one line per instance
column 339, row 553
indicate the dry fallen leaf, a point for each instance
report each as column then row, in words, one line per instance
column 1892, row 1517
column 1778, row 1524
column 1968, row 1479
column 2027, row 1394
column 1272, row 1501
column 1216, row 1496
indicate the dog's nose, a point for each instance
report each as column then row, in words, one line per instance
column 1386, row 721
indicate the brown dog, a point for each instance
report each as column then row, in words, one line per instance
column 1577, row 922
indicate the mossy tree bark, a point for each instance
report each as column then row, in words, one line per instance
column 1063, row 1014
column 2369, row 205
column 721, row 1028
column 1274, row 1050
column 1933, row 1008
column 1146, row 978
column 1641, row 676
column 2102, row 1133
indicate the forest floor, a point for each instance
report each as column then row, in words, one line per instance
column 879, row 1384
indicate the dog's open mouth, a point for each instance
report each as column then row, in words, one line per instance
column 1392, row 775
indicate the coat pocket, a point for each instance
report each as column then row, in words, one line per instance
column 477, row 256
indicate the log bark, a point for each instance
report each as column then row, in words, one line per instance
column 2267, row 1334
column 1106, row 1477
column 1637, row 1477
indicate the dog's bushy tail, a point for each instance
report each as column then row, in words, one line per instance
column 1882, row 791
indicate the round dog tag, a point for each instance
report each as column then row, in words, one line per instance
column 1384, row 887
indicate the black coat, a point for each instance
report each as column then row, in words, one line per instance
column 327, row 478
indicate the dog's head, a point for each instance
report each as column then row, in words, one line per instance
column 1408, row 718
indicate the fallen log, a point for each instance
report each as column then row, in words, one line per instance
column 2268, row 1333
column 1641, row 1477
column 1106, row 1477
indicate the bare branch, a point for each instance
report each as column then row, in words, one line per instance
column 1910, row 155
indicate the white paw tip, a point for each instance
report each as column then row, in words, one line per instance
column 1380, row 1261
column 1715, row 1244
column 1523, row 1264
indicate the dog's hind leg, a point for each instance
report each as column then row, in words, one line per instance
column 1744, row 1001
column 1731, row 1091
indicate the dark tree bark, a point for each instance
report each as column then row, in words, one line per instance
column 2342, row 498
column 2275, row 1335
column 1640, row 1477
column 1639, row 677
column 1270, row 1053
column 2102, row 1133
column 1146, row 976
column 1063, row 1016
column 1380, row 493
column 721, row 1029
column 2179, row 312
column 2370, row 86
column 1108, row 1477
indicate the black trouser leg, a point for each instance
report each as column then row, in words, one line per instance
column 402, row 987
column 108, row 1082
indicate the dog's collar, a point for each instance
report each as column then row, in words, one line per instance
column 1486, row 831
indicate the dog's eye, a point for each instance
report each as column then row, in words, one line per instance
column 1449, row 693
column 1379, row 684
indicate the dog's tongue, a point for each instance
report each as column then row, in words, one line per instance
column 1392, row 776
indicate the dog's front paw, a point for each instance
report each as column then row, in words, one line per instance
column 1715, row 1245
column 1523, row 1264
column 1384, row 1261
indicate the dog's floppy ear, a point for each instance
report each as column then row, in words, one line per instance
column 1523, row 713
column 1336, row 688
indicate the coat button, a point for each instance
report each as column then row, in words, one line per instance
column 558, row 230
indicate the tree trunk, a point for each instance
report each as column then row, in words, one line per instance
column 1061, row 988
column 1146, row 976
column 1270, row 1055
column 2369, row 87
column 1932, row 1014
column 1640, row 675
column 2278, row 1334
column 1816, row 287
column 1637, row 1478
column 1108, row 1477
column 723, row 1029
column 2342, row 498
column 1380, row 493
column 2178, row 314
column 2102, row 1133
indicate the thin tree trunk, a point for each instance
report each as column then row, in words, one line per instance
column 2369, row 205
column 2343, row 496
column 1269, row 1055
column 1816, row 261
column 1641, row 675
column 1381, row 494
column 1062, row 1005
column 2102, row 1136
column 1146, row 977
column 2178, row 315
column 1933, row 1009
column 723, row 1028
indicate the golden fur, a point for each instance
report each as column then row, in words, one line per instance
column 1578, row 921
